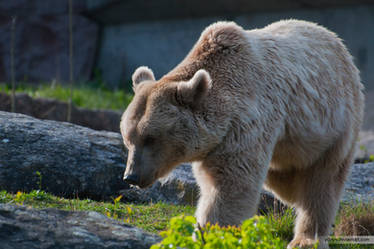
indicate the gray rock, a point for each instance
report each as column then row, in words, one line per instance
column 57, row 110
column 115, row 12
column 364, row 146
column 179, row 187
column 368, row 123
column 72, row 160
column 26, row 228
column 126, row 46
column 39, row 7
column 41, row 47
column 77, row 161
column 360, row 184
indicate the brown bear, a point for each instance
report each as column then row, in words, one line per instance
column 278, row 107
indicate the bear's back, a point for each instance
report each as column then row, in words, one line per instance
column 321, row 95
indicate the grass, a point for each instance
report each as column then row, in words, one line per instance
column 355, row 219
column 155, row 217
column 282, row 223
column 92, row 97
column 351, row 217
column 152, row 217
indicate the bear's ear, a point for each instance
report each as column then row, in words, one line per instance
column 141, row 74
column 192, row 92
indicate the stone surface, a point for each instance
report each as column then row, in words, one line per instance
column 73, row 160
column 368, row 124
column 126, row 46
column 41, row 45
column 40, row 7
column 25, row 228
column 360, row 185
column 365, row 146
column 115, row 12
column 57, row 110
column 77, row 161
column 179, row 187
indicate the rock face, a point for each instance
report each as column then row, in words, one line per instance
column 126, row 46
column 74, row 160
column 179, row 187
column 57, row 110
column 360, row 185
column 71, row 159
column 24, row 228
column 41, row 41
column 115, row 12
column 77, row 161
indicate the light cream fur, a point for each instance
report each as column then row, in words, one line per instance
column 279, row 106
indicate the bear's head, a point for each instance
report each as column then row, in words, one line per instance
column 163, row 125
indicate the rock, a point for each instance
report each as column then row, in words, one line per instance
column 368, row 124
column 41, row 42
column 72, row 160
column 40, row 7
column 57, row 110
column 116, row 12
column 179, row 187
column 26, row 228
column 360, row 184
column 126, row 45
column 365, row 146
column 75, row 160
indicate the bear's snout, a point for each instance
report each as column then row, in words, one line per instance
column 131, row 179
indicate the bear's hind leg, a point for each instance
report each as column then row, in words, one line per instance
column 282, row 184
column 317, row 200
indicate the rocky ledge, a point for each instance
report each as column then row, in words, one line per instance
column 26, row 228
column 77, row 161
column 70, row 160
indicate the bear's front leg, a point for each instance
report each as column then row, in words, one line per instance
column 229, row 193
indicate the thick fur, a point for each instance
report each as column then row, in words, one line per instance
column 279, row 106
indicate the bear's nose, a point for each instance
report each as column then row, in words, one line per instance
column 131, row 179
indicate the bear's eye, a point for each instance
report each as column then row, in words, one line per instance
column 149, row 140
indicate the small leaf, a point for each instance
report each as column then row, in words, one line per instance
column 118, row 199
column 129, row 210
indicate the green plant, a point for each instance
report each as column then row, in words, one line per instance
column 282, row 223
column 114, row 210
column 152, row 217
column 19, row 198
column 12, row 73
column 39, row 180
column 369, row 158
column 70, row 60
column 355, row 220
column 254, row 233
column 84, row 95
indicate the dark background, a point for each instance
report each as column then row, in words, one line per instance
column 112, row 37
